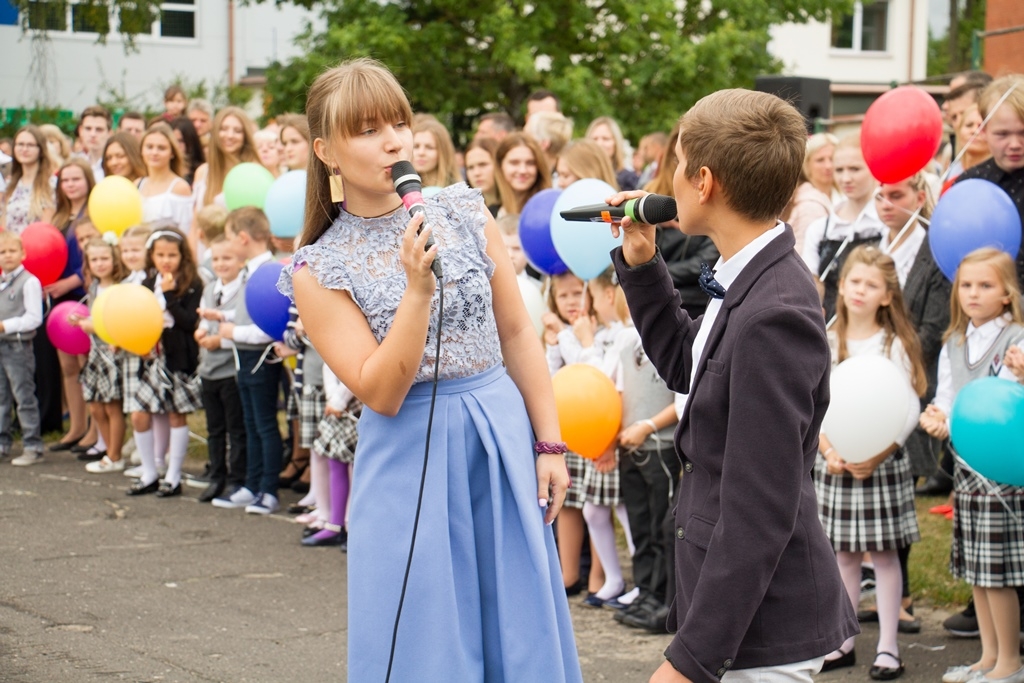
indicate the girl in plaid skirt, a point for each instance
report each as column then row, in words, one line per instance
column 101, row 376
column 334, row 451
column 984, row 339
column 869, row 506
column 166, row 381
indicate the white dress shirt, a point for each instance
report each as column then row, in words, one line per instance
column 979, row 341
column 251, row 334
column 726, row 273
column 32, row 294
column 906, row 253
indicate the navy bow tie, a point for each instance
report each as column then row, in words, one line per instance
column 709, row 284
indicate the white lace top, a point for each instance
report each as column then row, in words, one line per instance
column 361, row 257
column 167, row 205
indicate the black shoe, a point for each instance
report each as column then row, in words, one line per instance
column 649, row 615
column 964, row 624
column 574, row 589
column 886, row 673
column 80, row 448
column 935, row 485
column 65, row 445
column 300, row 487
column 297, row 509
column 167, row 491
column 844, row 660
column 313, row 542
column 140, row 489
column 93, row 456
column 212, row 491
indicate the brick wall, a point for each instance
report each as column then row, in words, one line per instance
column 1004, row 54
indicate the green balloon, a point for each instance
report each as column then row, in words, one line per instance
column 247, row 185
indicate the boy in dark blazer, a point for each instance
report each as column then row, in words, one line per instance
column 758, row 590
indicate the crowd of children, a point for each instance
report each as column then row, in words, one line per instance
column 879, row 282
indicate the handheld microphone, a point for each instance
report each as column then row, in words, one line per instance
column 651, row 209
column 409, row 187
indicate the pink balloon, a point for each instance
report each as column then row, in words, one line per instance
column 64, row 335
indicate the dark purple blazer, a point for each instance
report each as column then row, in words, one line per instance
column 757, row 580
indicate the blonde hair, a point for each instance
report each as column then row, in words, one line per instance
column 998, row 88
column 619, row 155
column 815, row 143
column 893, row 319
column 508, row 224
column 9, row 236
column 211, row 220
column 754, row 145
column 552, row 294
column 143, row 231
column 552, row 127
column 609, row 280
column 447, row 171
column 42, row 196
column 63, row 213
column 1006, row 271
column 177, row 164
column 586, row 159
column 119, row 271
column 339, row 102
column 54, row 134
column 220, row 162
column 510, row 199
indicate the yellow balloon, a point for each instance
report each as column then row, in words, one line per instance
column 97, row 317
column 115, row 205
column 133, row 318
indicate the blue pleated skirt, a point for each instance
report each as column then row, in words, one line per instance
column 485, row 600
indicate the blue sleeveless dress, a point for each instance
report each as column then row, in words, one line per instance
column 485, row 600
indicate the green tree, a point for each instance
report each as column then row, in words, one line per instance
column 642, row 62
column 951, row 52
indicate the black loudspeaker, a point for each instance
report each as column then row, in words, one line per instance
column 812, row 96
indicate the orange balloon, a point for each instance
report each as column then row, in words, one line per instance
column 133, row 318
column 589, row 409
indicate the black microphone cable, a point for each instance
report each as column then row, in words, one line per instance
column 423, row 478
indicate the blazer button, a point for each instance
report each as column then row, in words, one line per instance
column 688, row 466
column 721, row 672
column 680, row 534
column 727, row 664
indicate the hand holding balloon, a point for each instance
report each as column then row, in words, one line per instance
column 933, row 421
column 1014, row 360
column 552, row 326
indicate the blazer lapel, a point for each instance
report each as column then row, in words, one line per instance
column 775, row 250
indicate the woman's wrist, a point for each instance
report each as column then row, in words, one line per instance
column 550, row 448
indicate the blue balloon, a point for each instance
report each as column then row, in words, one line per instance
column 584, row 246
column 535, row 233
column 267, row 307
column 987, row 429
column 285, row 204
column 972, row 214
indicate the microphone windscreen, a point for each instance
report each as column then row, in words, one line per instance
column 402, row 174
column 657, row 208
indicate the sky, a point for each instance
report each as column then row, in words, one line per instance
column 938, row 16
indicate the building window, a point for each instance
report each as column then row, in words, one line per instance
column 178, row 19
column 47, row 16
column 863, row 31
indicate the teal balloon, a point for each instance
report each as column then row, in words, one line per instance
column 247, row 185
column 583, row 246
column 285, row 204
column 987, row 429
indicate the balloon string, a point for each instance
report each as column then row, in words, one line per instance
column 990, row 486
column 963, row 149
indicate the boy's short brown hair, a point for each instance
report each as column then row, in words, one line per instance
column 753, row 142
column 251, row 221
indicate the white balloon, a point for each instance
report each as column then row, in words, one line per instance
column 868, row 409
column 534, row 301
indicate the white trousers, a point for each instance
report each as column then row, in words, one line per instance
column 797, row 672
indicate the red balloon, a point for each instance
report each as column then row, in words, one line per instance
column 901, row 132
column 46, row 252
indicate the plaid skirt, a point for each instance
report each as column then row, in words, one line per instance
column 601, row 489
column 577, row 467
column 101, row 375
column 988, row 543
column 874, row 514
column 149, row 387
column 337, row 436
column 291, row 407
column 312, row 404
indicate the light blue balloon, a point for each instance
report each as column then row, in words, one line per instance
column 987, row 429
column 285, row 204
column 431, row 191
column 584, row 246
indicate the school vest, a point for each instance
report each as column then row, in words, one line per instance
column 989, row 364
column 219, row 363
column 312, row 367
column 12, row 305
column 644, row 394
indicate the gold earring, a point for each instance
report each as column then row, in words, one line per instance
column 337, row 187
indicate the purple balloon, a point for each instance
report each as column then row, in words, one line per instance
column 972, row 214
column 267, row 307
column 535, row 233
column 63, row 335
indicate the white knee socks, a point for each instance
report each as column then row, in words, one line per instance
column 144, row 447
column 602, row 535
column 176, row 454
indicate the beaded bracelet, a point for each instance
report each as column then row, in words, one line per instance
column 550, row 447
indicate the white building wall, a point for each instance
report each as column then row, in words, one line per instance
column 805, row 49
column 69, row 71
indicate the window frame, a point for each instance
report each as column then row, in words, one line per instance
column 151, row 36
column 857, row 47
